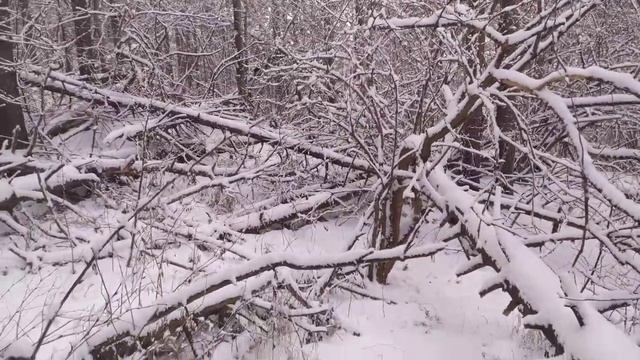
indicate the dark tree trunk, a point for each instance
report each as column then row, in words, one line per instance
column 11, row 117
column 506, row 121
column 84, row 40
column 473, row 127
column 361, row 13
column 23, row 12
column 393, row 214
column 63, row 33
column 114, row 25
column 239, row 26
column 473, row 132
column 505, row 117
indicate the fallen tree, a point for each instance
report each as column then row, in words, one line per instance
column 196, row 298
column 59, row 83
column 541, row 297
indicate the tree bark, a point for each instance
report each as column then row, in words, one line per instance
column 473, row 129
column 84, row 39
column 11, row 116
column 473, row 132
column 23, row 14
column 114, row 25
column 393, row 234
column 505, row 117
column 239, row 19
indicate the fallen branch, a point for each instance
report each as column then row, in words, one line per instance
column 60, row 83
column 540, row 295
column 192, row 294
column 261, row 220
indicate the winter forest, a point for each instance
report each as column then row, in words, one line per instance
column 320, row 179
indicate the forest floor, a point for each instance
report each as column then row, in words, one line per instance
column 429, row 313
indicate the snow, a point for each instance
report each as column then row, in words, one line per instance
column 6, row 190
column 413, row 141
column 434, row 313
column 18, row 348
column 437, row 316
column 214, row 140
column 435, row 310
column 59, row 177
column 298, row 293
column 596, row 339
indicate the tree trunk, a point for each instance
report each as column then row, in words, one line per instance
column 505, row 117
column 360, row 10
column 84, row 40
column 474, row 127
column 63, row 33
column 239, row 40
column 23, row 14
column 11, row 117
column 506, row 121
column 392, row 215
column 114, row 24
column 473, row 132
column 23, row 18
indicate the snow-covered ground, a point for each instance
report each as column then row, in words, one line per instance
column 437, row 316
column 428, row 313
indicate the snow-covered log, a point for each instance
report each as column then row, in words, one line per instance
column 278, row 214
column 168, row 307
column 582, row 331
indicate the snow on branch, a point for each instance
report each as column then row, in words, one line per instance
column 256, row 221
column 446, row 17
column 217, row 182
column 192, row 294
column 558, row 104
column 583, row 332
column 60, row 83
column 461, row 15
column 602, row 100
